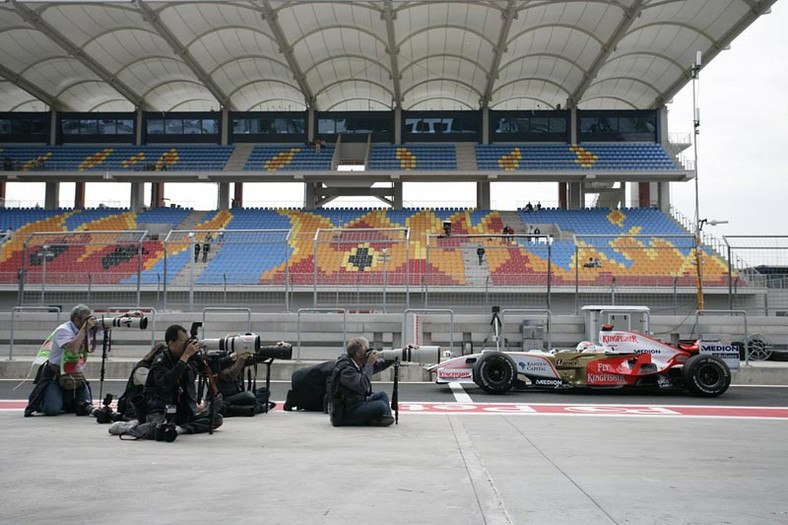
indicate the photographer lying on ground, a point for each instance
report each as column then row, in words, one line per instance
column 60, row 381
column 351, row 401
column 171, row 382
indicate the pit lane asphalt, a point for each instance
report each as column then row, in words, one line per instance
column 286, row 467
column 737, row 395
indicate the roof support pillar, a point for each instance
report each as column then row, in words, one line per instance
column 397, row 195
column 136, row 198
column 52, row 127
column 79, row 194
column 224, row 123
column 577, row 195
column 52, row 195
column 397, row 124
column 573, row 124
column 485, row 125
column 157, row 195
column 139, row 121
column 223, row 196
column 310, row 123
column 238, row 195
column 483, row 195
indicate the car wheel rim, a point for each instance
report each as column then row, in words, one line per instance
column 709, row 376
column 759, row 350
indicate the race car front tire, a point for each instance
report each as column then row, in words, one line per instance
column 495, row 373
column 706, row 375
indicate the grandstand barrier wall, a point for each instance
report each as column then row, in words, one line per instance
column 322, row 337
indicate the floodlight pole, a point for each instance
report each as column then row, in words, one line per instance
column 696, row 126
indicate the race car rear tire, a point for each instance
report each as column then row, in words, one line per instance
column 495, row 373
column 706, row 375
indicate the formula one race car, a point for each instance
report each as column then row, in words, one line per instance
column 624, row 359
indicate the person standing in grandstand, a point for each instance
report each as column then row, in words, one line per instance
column 196, row 248
column 480, row 254
column 206, row 246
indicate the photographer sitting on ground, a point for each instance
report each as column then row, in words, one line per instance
column 237, row 401
column 171, row 382
column 351, row 401
column 60, row 381
column 131, row 404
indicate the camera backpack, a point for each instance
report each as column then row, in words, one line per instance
column 308, row 388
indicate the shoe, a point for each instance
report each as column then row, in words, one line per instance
column 385, row 421
column 271, row 405
column 122, row 427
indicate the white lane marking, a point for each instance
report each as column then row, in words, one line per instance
column 459, row 393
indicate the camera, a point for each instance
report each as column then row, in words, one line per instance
column 122, row 322
column 248, row 343
column 105, row 414
column 412, row 354
column 167, row 431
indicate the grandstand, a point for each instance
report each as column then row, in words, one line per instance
column 570, row 93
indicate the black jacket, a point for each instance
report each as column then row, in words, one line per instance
column 171, row 382
column 355, row 383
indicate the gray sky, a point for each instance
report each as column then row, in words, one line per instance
column 742, row 174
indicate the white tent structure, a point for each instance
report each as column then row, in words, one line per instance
column 265, row 55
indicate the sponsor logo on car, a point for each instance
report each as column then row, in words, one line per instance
column 648, row 351
column 533, row 366
column 619, row 339
column 547, row 382
column 604, row 379
column 719, row 348
column 454, row 374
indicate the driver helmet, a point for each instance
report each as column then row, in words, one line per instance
column 582, row 346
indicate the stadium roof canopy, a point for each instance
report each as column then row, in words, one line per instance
column 266, row 55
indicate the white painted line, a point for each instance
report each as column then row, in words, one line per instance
column 459, row 393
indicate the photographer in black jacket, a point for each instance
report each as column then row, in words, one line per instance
column 352, row 400
column 171, row 382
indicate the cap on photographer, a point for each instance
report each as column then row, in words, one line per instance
column 351, row 400
column 60, row 381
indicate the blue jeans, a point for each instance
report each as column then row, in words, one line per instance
column 373, row 409
column 56, row 398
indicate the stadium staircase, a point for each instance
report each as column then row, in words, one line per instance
column 476, row 274
column 466, row 156
column 240, row 156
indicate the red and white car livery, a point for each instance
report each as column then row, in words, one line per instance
column 624, row 359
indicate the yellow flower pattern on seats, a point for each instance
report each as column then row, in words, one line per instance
column 407, row 160
column 94, row 160
column 280, row 160
column 511, row 161
column 584, row 157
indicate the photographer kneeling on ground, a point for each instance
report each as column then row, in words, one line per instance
column 171, row 381
column 351, row 401
column 60, row 381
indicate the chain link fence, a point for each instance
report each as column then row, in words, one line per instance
column 384, row 269
column 361, row 269
column 224, row 267
column 61, row 268
column 470, row 271
column 759, row 269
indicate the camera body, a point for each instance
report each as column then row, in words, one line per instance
column 105, row 414
column 167, row 430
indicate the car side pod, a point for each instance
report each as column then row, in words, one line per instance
column 495, row 372
column 706, row 375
